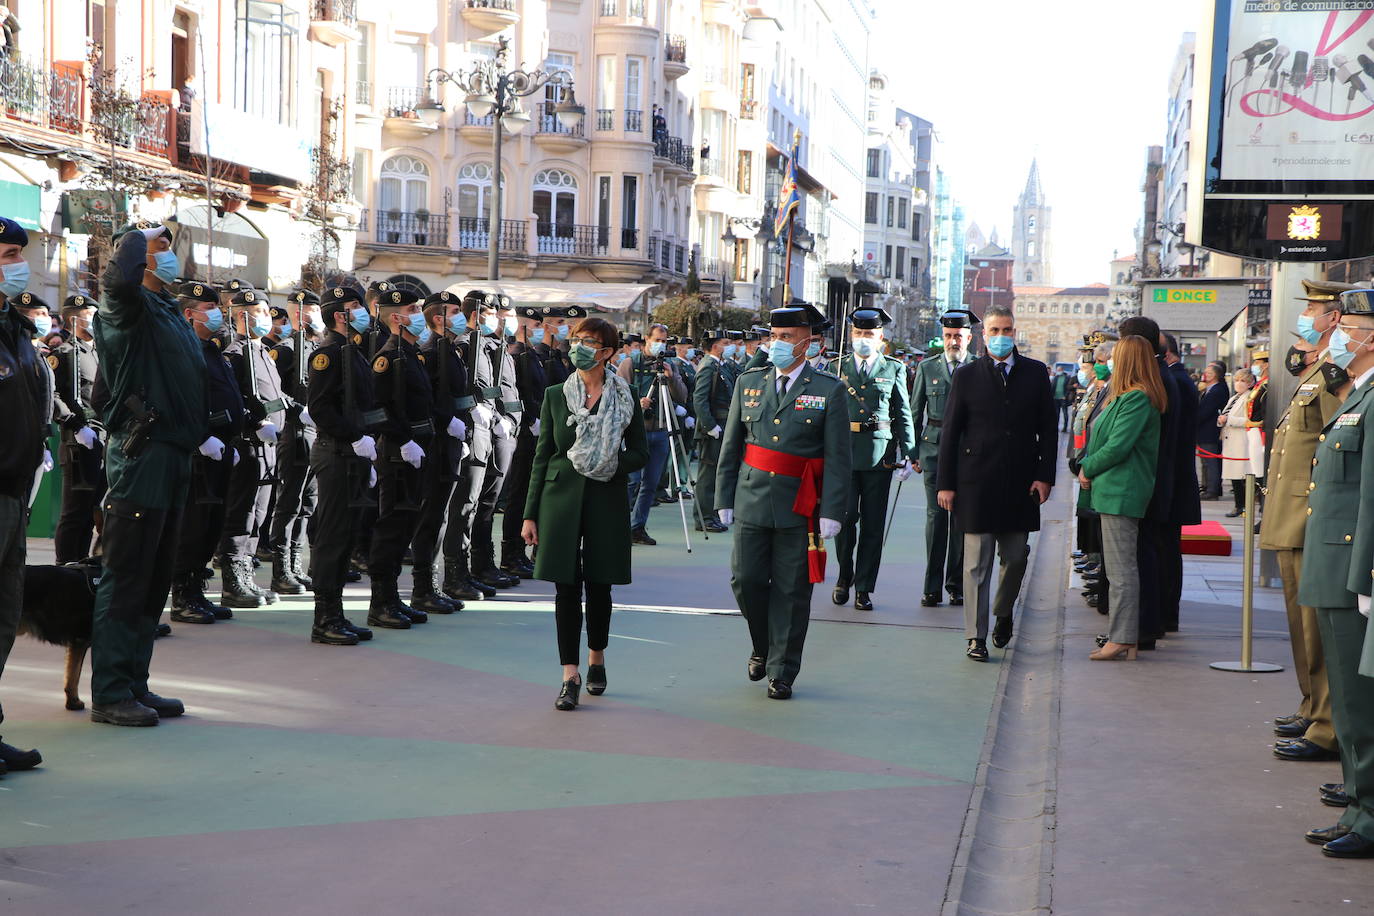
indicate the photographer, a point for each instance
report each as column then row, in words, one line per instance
column 644, row 370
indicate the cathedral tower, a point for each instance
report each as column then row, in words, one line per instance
column 1031, row 235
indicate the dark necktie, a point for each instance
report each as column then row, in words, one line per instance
column 1006, row 372
column 782, row 384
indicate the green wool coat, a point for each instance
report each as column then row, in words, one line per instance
column 574, row 511
column 1120, row 461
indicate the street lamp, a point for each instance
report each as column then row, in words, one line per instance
column 492, row 90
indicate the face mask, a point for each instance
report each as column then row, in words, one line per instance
column 1257, row 372
column 562, row 332
column 317, row 324
column 863, row 347
column 15, row 279
column 691, row 352
column 1295, row 361
column 1334, row 376
column 729, row 351
column 781, row 353
column 583, row 357
column 359, row 320
column 260, row 326
column 1084, row 378
column 511, row 326
column 415, row 324
column 43, row 325
column 1000, row 346
column 1103, row 371
column 656, row 348
column 813, row 349
column 1307, row 329
column 489, row 325
column 1338, row 353
column 167, row 266
column 537, row 335
column 425, row 335
column 458, row 324
column 214, row 320
column 286, row 329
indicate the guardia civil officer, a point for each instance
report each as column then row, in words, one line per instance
column 250, row 482
column 930, row 396
column 756, row 348
column 152, row 367
column 403, row 391
column 296, row 492
column 82, row 455
column 1338, row 556
column 202, row 522
column 882, row 439
column 530, row 381
column 785, row 468
column 644, row 370
column 341, row 403
column 711, row 394
column 452, row 414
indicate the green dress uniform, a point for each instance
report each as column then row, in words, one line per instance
column 1338, row 552
column 770, row 571
column 711, row 394
column 881, row 438
column 944, row 546
column 1281, row 530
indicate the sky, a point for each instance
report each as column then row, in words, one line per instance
column 1083, row 86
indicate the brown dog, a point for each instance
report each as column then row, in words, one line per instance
column 59, row 606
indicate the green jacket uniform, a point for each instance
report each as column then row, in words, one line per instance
column 711, row 395
column 944, row 544
column 758, row 360
column 929, row 396
column 575, row 512
column 879, row 416
column 1121, row 458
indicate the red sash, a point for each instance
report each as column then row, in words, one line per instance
column 808, row 501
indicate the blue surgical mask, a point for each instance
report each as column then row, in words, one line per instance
column 655, row 348
column 691, row 352
column 458, row 324
column 813, row 349
column 14, row 279
column 781, row 353
column 214, row 320
column 1000, row 346
column 511, row 325
column 415, row 324
column 563, row 330
column 489, row 325
column 260, row 326
column 1338, row 353
column 729, row 351
column 1084, row 378
column 43, row 325
column 286, row 328
column 1307, row 329
column 863, row 347
column 425, row 335
column 317, row 324
column 537, row 335
column 359, row 320
column 1257, row 372
column 167, row 266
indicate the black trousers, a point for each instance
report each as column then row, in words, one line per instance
column 1061, row 408
column 517, row 487
column 1211, row 469
column 83, row 487
column 482, row 553
column 335, row 521
column 1171, row 570
column 202, row 520
column 863, row 528
column 438, row 483
column 398, row 505
column 297, row 495
column 245, row 508
column 1151, row 548
column 567, row 612
column 708, row 456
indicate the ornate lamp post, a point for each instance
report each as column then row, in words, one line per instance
column 491, row 89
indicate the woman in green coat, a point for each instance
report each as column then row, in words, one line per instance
column 1117, row 476
column 591, row 436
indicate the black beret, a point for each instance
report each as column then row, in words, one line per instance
column 79, row 301
column 380, row 286
column 443, row 297
column 11, row 233
column 339, row 297
column 197, row 291
column 562, row 311
column 483, row 298
column 248, row 297
column 532, row 312
column 279, row 312
column 303, row 297
column 395, row 297
column 869, row 318
column 233, row 286
column 28, row 300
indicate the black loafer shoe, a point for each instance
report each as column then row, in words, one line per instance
column 839, row 596
column 567, row 697
column 862, row 602
column 1284, row 720
column 1350, row 846
column 126, row 712
column 14, row 760
column 756, row 668
column 1294, row 729
column 1001, row 632
column 163, row 629
column 164, row 707
column 779, row 689
column 1336, row 799
column 1320, row 836
column 1302, row 749
column 977, row 650
column 956, row 599
column 1329, row 787
column 930, row 600
column 596, row 680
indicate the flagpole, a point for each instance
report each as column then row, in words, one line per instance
column 791, row 224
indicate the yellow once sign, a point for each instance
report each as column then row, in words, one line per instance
column 1185, row 296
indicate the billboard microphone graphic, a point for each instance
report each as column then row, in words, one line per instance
column 1298, row 76
column 1351, row 77
column 1263, row 46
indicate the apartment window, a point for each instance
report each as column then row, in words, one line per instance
column 744, row 172
column 887, row 260
column 629, row 212
column 603, row 209
column 404, row 186
column 362, row 65
column 742, row 260
column 901, row 263
column 871, row 208
column 100, row 28
column 916, row 226
column 605, row 82
column 474, row 191
column 1078, row 308
column 266, row 77
column 875, row 163
column 915, row 270
column 891, row 202
column 556, row 62
column 634, row 108
column 555, row 202
column 901, row 217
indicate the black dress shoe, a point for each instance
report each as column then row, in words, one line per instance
column 1294, row 729
column 757, row 668
column 862, row 602
column 1234, row 513
column 352, row 575
column 840, row 595
column 956, row 599
column 567, row 697
column 1323, row 835
column 778, row 689
column 163, row 629
column 596, row 680
column 1331, row 787
column 333, row 632
column 930, row 600
column 387, row 617
column 1336, row 799
column 1302, row 749
column 1146, row 645
column 13, row 759
column 1093, row 600
column 1001, row 632
column 484, row 590
column 363, row 633
column 127, row 711
column 1350, row 846
column 164, row 707
column 977, row 650
column 640, row 536
column 192, row 614
column 1078, row 554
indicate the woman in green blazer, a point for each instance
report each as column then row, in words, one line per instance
column 591, row 436
column 1117, row 476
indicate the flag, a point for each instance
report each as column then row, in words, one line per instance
column 789, row 198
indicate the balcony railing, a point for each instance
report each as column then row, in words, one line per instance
column 341, row 11
column 608, row 7
column 394, row 227
column 675, row 49
column 362, row 93
column 470, row 120
column 605, row 119
column 634, row 120
column 474, row 234
column 55, row 98
column 719, row 271
column 634, row 8
column 713, row 168
column 569, row 239
column 507, row 5
column 401, row 100
column 674, row 150
column 679, row 259
column 546, row 121
column 629, row 238
column 749, row 109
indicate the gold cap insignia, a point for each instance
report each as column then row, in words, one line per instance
column 338, row 292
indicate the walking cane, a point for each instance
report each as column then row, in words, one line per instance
column 892, row 510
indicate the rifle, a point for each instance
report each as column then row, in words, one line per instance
column 407, row 499
column 357, row 489
column 75, row 451
column 446, row 467
column 259, row 447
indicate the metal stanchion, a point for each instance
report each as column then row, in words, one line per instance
column 1247, row 596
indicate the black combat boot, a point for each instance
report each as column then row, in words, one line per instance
column 330, row 628
column 456, row 585
column 381, row 611
column 249, row 564
column 283, row 582
column 424, row 597
column 195, row 594
column 185, row 609
column 235, row 590
column 298, row 569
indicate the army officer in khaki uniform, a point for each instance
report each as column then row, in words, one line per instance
column 785, row 467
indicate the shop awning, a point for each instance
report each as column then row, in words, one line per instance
column 22, row 203
column 605, row 297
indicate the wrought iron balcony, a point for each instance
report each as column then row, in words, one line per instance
column 711, row 168
column 474, row 234
column 344, row 12
column 546, row 121
column 675, row 49
column 605, row 119
column 749, row 109
column 572, row 240
column 674, row 150
column 629, row 238
column 608, row 7
column 401, row 101
column 422, row 229
column 471, row 120
column 332, row 179
column 634, row 120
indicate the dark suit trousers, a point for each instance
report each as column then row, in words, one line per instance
column 1171, row 567
column 772, row 585
column 335, row 521
column 863, row 528
column 1352, row 696
column 1211, row 469
column 462, row 512
column 398, row 502
column 482, row 553
column 1151, row 557
column 438, row 493
column 296, row 495
column 202, row 521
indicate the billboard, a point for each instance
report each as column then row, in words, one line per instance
column 1192, row 306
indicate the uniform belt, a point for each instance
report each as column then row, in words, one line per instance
column 489, row 394
column 513, row 406
column 868, row 426
column 808, row 500
column 466, row 402
column 935, row 423
column 275, row 405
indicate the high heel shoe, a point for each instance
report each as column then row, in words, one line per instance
column 596, row 679
column 567, row 697
column 1114, row 652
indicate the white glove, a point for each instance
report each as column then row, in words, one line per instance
column 235, row 462
column 829, row 528
column 457, row 428
column 213, row 449
column 366, row 447
column 305, row 418
column 534, row 430
column 903, row 472
column 715, row 433
column 726, row 516
column 483, row 414
column 47, row 461
column 680, row 410
column 86, row 437
column 267, row 432
column 690, row 422
column 412, row 454
column 508, row 425
column 371, row 478
column 1362, row 602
